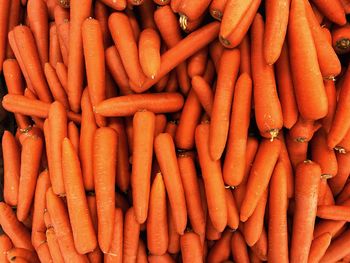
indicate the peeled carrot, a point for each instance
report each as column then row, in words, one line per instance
column 131, row 236
column 333, row 11
column 334, row 212
column 222, row 249
column 203, row 92
column 117, row 5
column 197, row 63
column 232, row 211
column 239, row 248
column 63, row 31
column 5, row 245
column 338, row 182
column 101, row 12
column 104, row 171
column 149, row 52
column 216, row 8
column 55, row 55
column 215, row 50
column 332, row 104
column 14, row 19
column 165, row 152
column 115, row 253
column 191, row 248
column 26, row 254
column 4, row 18
column 146, row 14
column 338, row 249
column 303, row 130
column 307, row 180
column 174, row 237
column 166, row 258
column 318, row 247
column 260, row 175
column 312, row 103
column 73, row 135
column 212, row 175
column 61, row 71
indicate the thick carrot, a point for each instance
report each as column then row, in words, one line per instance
column 29, row 54
column 73, row 135
column 14, row 19
column 277, row 228
column 219, row 125
column 213, row 181
column 338, row 249
column 234, row 164
column 78, row 13
column 305, row 68
column 157, row 222
column 334, row 11
column 61, row 71
column 277, row 13
column 232, row 211
column 216, row 8
column 15, row 230
column 143, row 134
column 268, row 111
column 191, row 187
column 12, row 162
column 117, row 5
column 26, row 254
column 341, row 39
column 260, row 175
column 286, row 89
column 62, row 227
column 307, row 180
column 191, row 248
column 169, row 29
column 55, row 55
column 165, row 152
column 129, row 104
column 4, row 18
column 203, row 92
column 183, row 50
column 334, row 212
column 56, row 88
column 130, row 237
column 115, row 253
column 149, row 52
column 32, row 148
column 338, row 182
column 38, row 16
column 222, row 249
column 239, row 248
column 332, row 104
column 104, row 172
column 122, row 34
column 318, row 247
column 5, row 245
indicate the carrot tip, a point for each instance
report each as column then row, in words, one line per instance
column 183, row 22
column 217, row 14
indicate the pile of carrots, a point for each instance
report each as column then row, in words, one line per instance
column 176, row 131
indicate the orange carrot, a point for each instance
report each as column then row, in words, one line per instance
column 260, row 175
column 232, row 211
column 305, row 69
column 32, row 148
column 165, row 152
column 307, row 180
column 197, row 63
column 203, row 92
column 15, row 230
column 334, row 212
column 73, row 135
column 14, row 20
column 260, row 247
column 219, row 125
column 210, row 232
column 338, row 249
column 4, row 18
column 333, row 11
column 38, row 16
column 216, row 8
column 5, row 245
column 268, row 111
column 166, row 258
column 117, row 5
column 212, row 175
column 63, row 31
column 61, row 72
column 55, row 55
column 149, row 52
column 287, row 167
column 318, row 247
column 277, row 13
column 239, row 248
column 174, row 237
column 191, row 248
column 215, row 50
column 104, row 171
column 53, row 246
column 303, row 130
column 341, row 39
column 332, row 104
column 131, row 236
column 222, row 249
column 133, row 23
column 101, row 13
column 26, row 254
column 234, row 165
column 78, row 13
column 115, row 253
column 338, row 182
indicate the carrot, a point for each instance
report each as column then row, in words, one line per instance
column 332, row 104
column 14, row 19
column 165, row 152
column 169, row 29
column 328, row 198
column 73, row 135
column 157, row 225
column 63, row 31
column 131, row 236
column 268, row 112
column 303, row 130
column 212, row 175
column 210, row 232
column 338, row 249
column 278, row 204
column 327, row 58
column 38, row 16
column 134, row 24
column 277, row 14
column 244, row 48
column 203, row 92
column 344, row 194
column 55, row 55
column 115, row 253
column 64, row 3
column 104, row 171
column 234, row 37
column 5, row 6
column 287, row 167
column 341, row 39
column 166, row 258
column 260, row 175
column 346, row 5
column 197, row 63
column 5, row 245
column 234, row 164
column 305, row 69
column 239, row 248
column 61, row 224
column 121, row 30
column 26, row 254
column 27, row 49
column 183, row 50
column 215, row 51
column 30, row 95
column 56, row 88
column 171, row 128
column 174, row 237
column 260, row 247
column 61, row 71
column 161, row 2
column 334, row 212
column 117, row 5
column 60, row 15
column 15, row 230
column 338, row 182
column 30, row 163
column 307, row 180
column 146, row 13
column 333, row 11
column 216, row 8
column 341, row 124
column 78, row 13
column 129, row 104
column 222, row 249
column 149, row 52
column 95, row 256
column 20, row 260
column 191, row 248
column 143, row 133
column 232, row 211
column 12, row 162
column 219, row 127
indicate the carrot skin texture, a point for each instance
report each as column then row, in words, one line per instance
column 5, row 245
column 338, row 249
column 334, row 212
column 131, row 237
column 334, row 11
column 115, row 253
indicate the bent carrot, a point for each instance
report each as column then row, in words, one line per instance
column 130, row 237
column 149, row 52
column 318, row 247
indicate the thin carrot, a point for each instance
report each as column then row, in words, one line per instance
column 191, row 248
column 333, row 11
column 4, row 18
column 174, row 237
column 63, row 31
column 239, row 248
column 101, row 13
column 338, row 249
column 61, row 71
column 212, row 175
column 222, row 249
column 14, row 19
column 73, row 135
column 117, row 5
column 26, row 254
column 134, row 24
column 260, row 175
column 203, row 92
column 115, row 253
column 216, row 8
column 149, row 52
column 104, row 171
column 215, row 51
column 55, row 55
column 165, row 152
column 5, row 245
column 130, row 237
column 305, row 69
column 318, row 247
column 334, row 212
column 146, row 14
column 38, row 16
column 338, row 182
column 307, row 180
column 332, row 104
column 287, row 167
column 53, row 246
column 219, row 125
column 15, row 230
column 232, row 211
